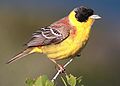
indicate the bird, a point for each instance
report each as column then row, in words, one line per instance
column 62, row 39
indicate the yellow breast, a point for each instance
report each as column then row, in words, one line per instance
column 66, row 48
column 72, row 44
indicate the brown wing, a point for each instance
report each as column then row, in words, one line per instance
column 48, row 35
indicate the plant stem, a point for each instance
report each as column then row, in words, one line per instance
column 59, row 71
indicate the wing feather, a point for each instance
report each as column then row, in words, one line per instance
column 46, row 36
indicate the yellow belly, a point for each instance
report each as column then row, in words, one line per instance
column 67, row 48
column 60, row 51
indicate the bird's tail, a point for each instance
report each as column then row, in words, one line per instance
column 22, row 54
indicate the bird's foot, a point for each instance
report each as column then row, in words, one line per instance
column 61, row 69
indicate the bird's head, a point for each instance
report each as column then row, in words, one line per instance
column 82, row 15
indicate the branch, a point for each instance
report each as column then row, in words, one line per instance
column 59, row 71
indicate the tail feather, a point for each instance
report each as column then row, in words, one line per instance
column 20, row 55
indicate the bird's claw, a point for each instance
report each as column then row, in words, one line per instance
column 61, row 69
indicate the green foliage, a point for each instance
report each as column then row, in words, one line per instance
column 69, row 80
column 30, row 82
column 40, row 81
column 72, row 80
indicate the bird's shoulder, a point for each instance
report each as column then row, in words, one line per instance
column 55, row 33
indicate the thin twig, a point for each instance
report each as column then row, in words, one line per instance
column 59, row 71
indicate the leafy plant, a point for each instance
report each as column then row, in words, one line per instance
column 72, row 80
column 40, row 81
column 69, row 80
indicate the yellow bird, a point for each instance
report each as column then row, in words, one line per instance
column 62, row 39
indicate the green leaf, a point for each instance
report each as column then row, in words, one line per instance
column 79, row 79
column 44, row 81
column 64, row 81
column 49, row 83
column 40, row 81
column 71, row 80
column 30, row 82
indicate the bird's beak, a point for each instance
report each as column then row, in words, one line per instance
column 95, row 17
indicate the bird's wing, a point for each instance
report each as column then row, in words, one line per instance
column 48, row 35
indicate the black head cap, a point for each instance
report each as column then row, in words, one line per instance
column 83, row 13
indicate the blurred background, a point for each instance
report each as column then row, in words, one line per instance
column 100, row 61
